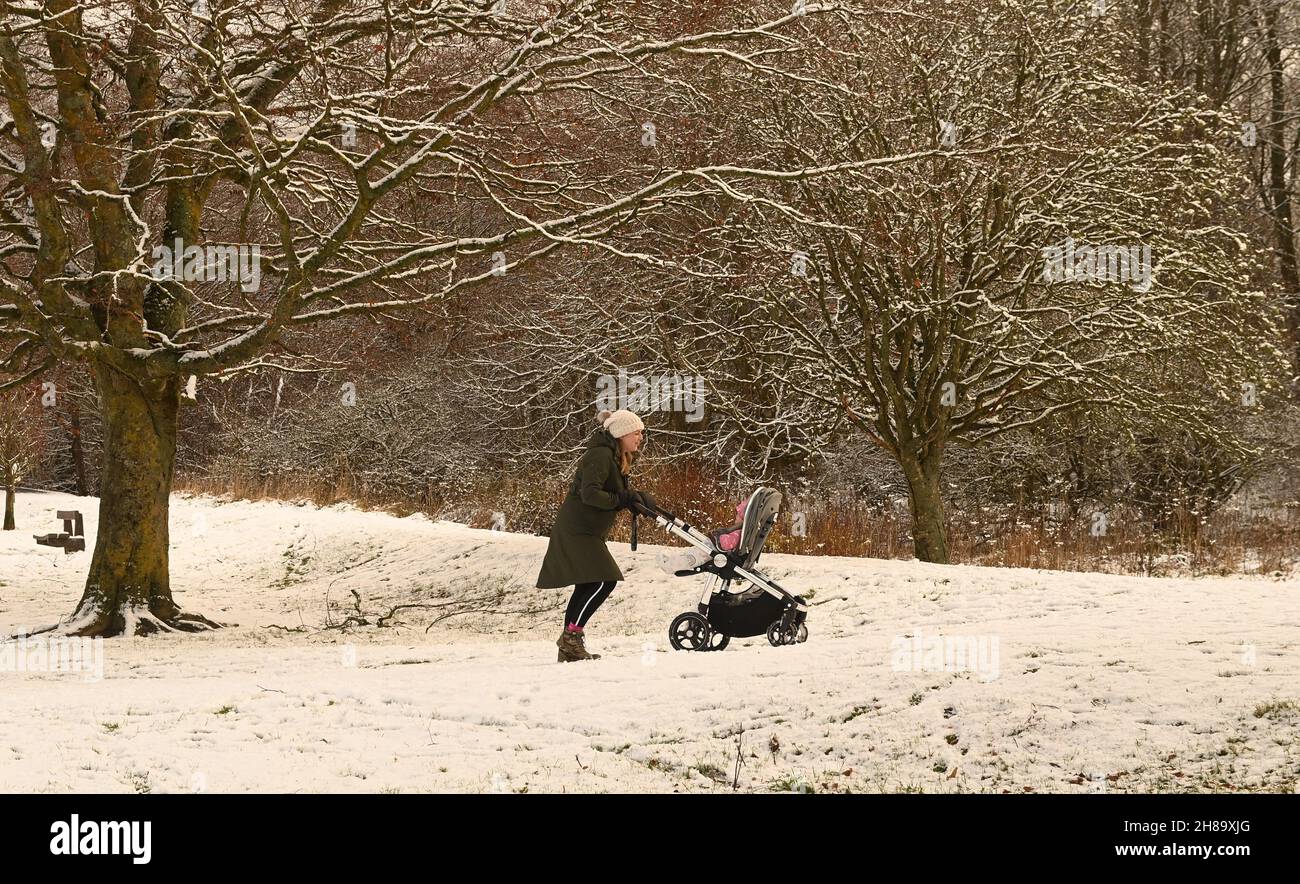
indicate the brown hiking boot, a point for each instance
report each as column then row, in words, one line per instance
column 572, row 647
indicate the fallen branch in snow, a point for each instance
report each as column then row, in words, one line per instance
column 35, row 631
column 735, row 780
column 838, row 598
column 484, row 602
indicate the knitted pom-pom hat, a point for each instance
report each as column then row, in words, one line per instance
column 620, row 423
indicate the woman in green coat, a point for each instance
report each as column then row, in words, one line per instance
column 577, row 554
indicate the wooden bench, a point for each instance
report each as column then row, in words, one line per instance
column 73, row 537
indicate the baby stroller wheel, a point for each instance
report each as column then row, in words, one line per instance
column 777, row 637
column 689, row 632
column 802, row 636
column 718, row 641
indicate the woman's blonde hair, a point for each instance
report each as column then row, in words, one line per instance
column 625, row 458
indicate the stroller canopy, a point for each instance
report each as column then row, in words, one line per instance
column 760, row 516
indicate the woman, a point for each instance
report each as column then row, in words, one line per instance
column 577, row 553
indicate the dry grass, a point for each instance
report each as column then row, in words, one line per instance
column 1047, row 537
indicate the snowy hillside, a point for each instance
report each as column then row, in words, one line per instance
column 1081, row 682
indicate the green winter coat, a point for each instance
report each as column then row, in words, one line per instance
column 577, row 551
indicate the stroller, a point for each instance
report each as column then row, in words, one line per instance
column 722, row 613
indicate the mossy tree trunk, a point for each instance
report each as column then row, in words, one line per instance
column 929, row 535
column 128, row 590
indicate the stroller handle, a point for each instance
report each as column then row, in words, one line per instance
column 644, row 509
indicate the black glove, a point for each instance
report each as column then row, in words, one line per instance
column 635, row 500
column 648, row 501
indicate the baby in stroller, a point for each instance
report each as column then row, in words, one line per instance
column 726, row 539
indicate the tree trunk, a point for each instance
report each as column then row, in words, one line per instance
column 1279, row 193
column 929, row 537
column 1144, row 20
column 78, row 453
column 128, row 588
column 10, row 525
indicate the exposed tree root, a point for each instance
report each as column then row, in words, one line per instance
column 130, row 620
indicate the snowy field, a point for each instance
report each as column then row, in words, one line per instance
column 915, row 677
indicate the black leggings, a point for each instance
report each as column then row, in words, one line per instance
column 586, row 598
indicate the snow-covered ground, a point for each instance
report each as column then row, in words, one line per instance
column 1073, row 683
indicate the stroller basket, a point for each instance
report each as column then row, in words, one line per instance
column 764, row 607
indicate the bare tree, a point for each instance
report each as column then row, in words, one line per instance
column 945, row 300
column 20, row 443
column 187, row 187
column 1240, row 57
